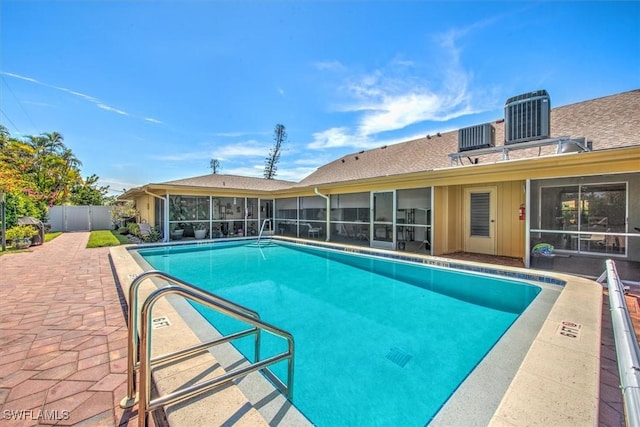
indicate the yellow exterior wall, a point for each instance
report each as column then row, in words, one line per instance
column 448, row 218
column 144, row 205
column 511, row 230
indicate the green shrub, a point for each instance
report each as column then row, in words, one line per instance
column 133, row 228
column 21, row 232
column 154, row 236
column 122, row 238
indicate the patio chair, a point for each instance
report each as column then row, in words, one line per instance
column 313, row 231
column 348, row 231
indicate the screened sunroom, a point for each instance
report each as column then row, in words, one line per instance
column 587, row 220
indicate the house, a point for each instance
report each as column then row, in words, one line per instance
column 567, row 176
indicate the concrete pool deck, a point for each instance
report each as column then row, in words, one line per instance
column 63, row 337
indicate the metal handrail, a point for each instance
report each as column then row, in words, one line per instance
column 132, row 345
column 264, row 223
column 146, row 405
column 627, row 350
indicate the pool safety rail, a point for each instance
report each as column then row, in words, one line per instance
column 141, row 347
column 264, row 224
column 627, row 350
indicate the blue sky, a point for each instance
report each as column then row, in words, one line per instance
column 151, row 91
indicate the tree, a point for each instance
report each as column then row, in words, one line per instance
column 54, row 169
column 15, row 159
column 40, row 171
column 89, row 193
column 271, row 162
column 215, row 166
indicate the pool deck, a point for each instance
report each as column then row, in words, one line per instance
column 63, row 350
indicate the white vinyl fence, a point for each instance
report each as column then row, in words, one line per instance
column 80, row 218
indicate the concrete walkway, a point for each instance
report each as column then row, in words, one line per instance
column 63, row 340
column 62, row 337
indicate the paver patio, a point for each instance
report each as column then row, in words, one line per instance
column 63, row 340
column 63, row 336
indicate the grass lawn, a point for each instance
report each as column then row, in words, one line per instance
column 97, row 239
column 102, row 238
column 47, row 238
column 50, row 236
column 11, row 250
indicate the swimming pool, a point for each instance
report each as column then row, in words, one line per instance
column 378, row 342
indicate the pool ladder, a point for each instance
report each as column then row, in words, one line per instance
column 264, row 224
column 140, row 347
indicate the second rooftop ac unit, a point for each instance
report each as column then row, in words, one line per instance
column 527, row 117
column 474, row 137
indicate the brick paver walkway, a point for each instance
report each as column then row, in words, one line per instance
column 63, row 336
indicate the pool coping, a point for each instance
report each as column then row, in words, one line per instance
column 556, row 382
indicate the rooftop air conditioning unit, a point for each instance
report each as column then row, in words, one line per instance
column 527, row 117
column 474, row 137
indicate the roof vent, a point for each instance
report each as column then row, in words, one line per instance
column 474, row 137
column 527, row 117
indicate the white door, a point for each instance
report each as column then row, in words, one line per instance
column 480, row 220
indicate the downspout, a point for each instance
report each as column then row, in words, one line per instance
column 165, row 236
column 527, row 224
column 328, row 210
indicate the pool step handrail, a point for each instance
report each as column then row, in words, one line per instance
column 264, row 223
column 147, row 405
column 135, row 345
column 627, row 349
column 132, row 329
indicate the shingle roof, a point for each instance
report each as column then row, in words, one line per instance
column 609, row 122
column 232, row 182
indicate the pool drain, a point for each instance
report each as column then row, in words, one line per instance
column 398, row 357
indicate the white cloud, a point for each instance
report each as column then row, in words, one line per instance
column 329, row 66
column 390, row 100
column 238, row 134
column 116, row 186
column 331, row 138
column 294, row 174
column 180, row 157
column 242, row 149
column 112, row 109
column 314, row 161
column 78, row 94
column 403, row 93
column 17, row 76
column 97, row 102
column 284, row 172
column 253, row 171
column 228, row 152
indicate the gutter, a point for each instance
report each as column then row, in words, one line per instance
column 328, row 210
column 154, row 195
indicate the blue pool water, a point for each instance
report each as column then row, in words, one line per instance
column 377, row 342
